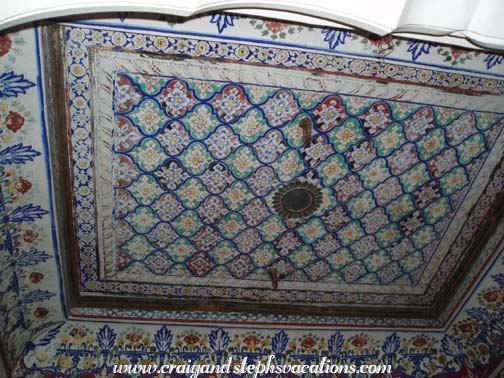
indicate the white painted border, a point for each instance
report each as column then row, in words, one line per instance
column 467, row 23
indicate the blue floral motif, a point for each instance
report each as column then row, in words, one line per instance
column 17, row 154
column 281, row 108
column 174, row 139
column 123, row 94
column 106, row 338
column 231, row 105
column 492, row 60
column 172, row 175
column 416, row 353
column 29, row 258
column 452, row 346
column 35, row 296
column 25, row 214
column 391, row 344
column 219, row 341
column 177, row 99
column 335, row 37
column 20, row 332
column 499, row 278
column 335, row 343
column 217, row 178
column 279, row 343
column 42, row 335
column 417, row 48
column 270, row 147
column 223, row 21
column 481, row 314
column 13, row 85
column 163, row 339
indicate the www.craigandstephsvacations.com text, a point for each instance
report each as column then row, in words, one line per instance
column 255, row 369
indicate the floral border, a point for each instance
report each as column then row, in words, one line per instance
column 79, row 40
column 25, row 301
column 328, row 38
column 39, row 345
column 472, row 346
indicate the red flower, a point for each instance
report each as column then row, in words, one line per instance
column 491, row 296
column 29, row 236
column 308, row 342
column 123, row 260
column 275, row 26
column 251, row 340
column 40, row 312
column 36, row 277
column 78, row 333
column 14, row 121
column 22, row 185
column 467, row 327
column 5, row 44
column 134, row 337
column 457, row 52
column 384, row 41
column 419, row 341
column 359, row 341
column 191, row 339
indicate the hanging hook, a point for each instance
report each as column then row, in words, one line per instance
column 273, row 272
column 306, row 125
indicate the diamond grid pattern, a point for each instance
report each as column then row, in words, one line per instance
column 195, row 175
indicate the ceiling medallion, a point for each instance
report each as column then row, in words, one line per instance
column 297, row 199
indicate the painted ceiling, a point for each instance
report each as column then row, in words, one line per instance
column 139, row 165
column 179, row 146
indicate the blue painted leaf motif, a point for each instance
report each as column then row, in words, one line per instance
column 19, row 315
column 223, row 21
column 391, row 344
column 42, row 335
column 106, row 338
column 26, row 213
column 13, row 85
column 13, row 284
column 417, row 48
column 452, row 346
column 219, row 340
column 499, row 278
column 163, row 339
column 37, row 296
column 335, row 37
column 335, row 343
column 49, row 332
column 492, row 60
column 29, row 346
column 30, row 258
column 481, row 314
column 279, row 342
column 8, row 244
column 17, row 154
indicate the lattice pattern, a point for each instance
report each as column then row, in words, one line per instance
column 196, row 164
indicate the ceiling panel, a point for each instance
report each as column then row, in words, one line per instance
column 183, row 150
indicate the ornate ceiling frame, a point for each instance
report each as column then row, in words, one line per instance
column 57, row 98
